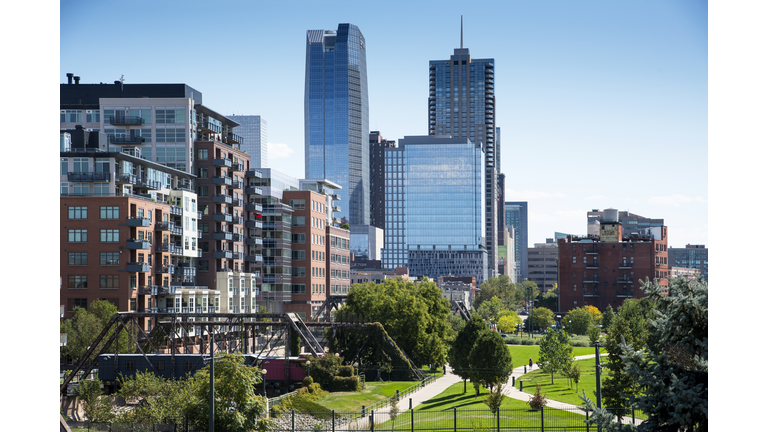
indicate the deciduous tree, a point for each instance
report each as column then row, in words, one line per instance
column 489, row 359
column 577, row 321
column 542, row 317
column 458, row 355
column 555, row 353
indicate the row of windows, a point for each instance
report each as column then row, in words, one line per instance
column 105, row 235
column 81, row 281
column 105, row 213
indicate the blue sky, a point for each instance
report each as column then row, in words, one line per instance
column 601, row 103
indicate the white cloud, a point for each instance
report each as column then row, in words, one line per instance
column 513, row 195
column 278, row 150
column 674, row 200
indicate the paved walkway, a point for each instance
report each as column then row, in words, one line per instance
column 431, row 390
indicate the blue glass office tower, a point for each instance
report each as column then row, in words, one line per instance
column 462, row 103
column 516, row 215
column 434, row 207
column 336, row 116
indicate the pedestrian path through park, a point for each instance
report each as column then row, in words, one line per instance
column 441, row 384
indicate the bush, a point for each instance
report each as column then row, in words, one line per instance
column 347, row 371
column 537, row 401
column 307, row 382
column 344, row 383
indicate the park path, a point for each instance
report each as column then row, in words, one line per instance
column 438, row 386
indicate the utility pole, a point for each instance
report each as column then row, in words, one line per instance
column 210, row 407
column 598, row 369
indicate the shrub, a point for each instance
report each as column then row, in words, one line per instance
column 344, row 383
column 537, row 401
column 347, row 371
column 307, row 382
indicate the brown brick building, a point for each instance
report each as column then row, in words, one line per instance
column 606, row 269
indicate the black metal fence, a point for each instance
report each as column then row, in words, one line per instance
column 130, row 427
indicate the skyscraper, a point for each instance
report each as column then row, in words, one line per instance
column 462, row 103
column 516, row 215
column 253, row 129
column 439, row 181
column 336, row 116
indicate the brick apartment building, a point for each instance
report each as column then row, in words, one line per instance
column 605, row 269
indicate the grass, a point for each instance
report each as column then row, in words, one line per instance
column 472, row 413
column 373, row 392
column 560, row 391
column 521, row 353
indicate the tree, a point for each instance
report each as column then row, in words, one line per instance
column 458, row 355
column 237, row 407
column 672, row 370
column 608, row 316
column 638, row 314
column 161, row 400
column 97, row 407
column 508, row 323
column 496, row 397
column 500, row 287
column 84, row 326
column 594, row 314
column 542, row 317
column 415, row 316
column 489, row 360
column 555, row 352
column 577, row 321
column 617, row 383
column 490, row 309
column 549, row 299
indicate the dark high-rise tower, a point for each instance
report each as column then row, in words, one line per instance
column 336, row 117
column 462, row 103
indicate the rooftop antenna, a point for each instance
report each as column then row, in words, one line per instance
column 462, row 32
column 122, row 78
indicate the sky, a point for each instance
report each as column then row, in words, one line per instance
column 601, row 104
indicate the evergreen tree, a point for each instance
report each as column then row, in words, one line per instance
column 458, row 354
column 489, row 360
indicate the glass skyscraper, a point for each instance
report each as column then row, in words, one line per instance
column 462, row 103
column 516, row 215
column 336, row 117
column 253, row 129
column 434, row 213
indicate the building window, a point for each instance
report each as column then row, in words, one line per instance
column 77, row 281
column 109, row 236
column 109, row 281
column 202, row 154
column 71, row 116
column 188, row 365
column 202, row 265
column 109, row 213
column 130, row 365
column 169, row 116
column 77, row 236
column 78, row 258
column 77, row 303
column 78, row 212
column 159, row 365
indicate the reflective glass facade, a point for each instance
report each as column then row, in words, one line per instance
column 336, row 116
column 462, row 103
column 516, row 215
column 253, row 129
column 434, row 198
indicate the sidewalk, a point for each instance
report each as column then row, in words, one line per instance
column 429, row 391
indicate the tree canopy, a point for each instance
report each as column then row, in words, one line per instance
column 491, row 309
column 672, row 369
column 415, row 316
column 458, row 355
column 490, row 361
column 542, row 317
column 512, row 295
column 85, row 325
column 555, row 353
column 577, row 321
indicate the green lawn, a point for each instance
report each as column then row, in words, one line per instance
column 521, row 353
column 373, row 392
column 437, row 413
column 560, row 391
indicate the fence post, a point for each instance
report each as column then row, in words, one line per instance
column 454, row 419
column 398, row 395
column 411, row 419
column 633, row 415
column 513, row 381
column 525, row 369
column 542, row 419
column 521, row 385
column 587, row 419
column 363, row 410
column 293, row 420
column 410, row 403
column 372, row 421
column 333, row 420
column 498, row 419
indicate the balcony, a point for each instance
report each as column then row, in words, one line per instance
column 253, row 241
column 237, row 202
column 626, row 265
column 170, row 247
column 237, row 220
column 199, row 215
column 138, row 244
column 237, row 237
column 253, row 207
column 237, row 184
column 176, row 210
column 222, row 180
column 182, row 187
column 125, row 120
column 222, row 217
column 220, row 198
column 254, row 258
column 237, row 255
column 591, row 294
column 199, row 253
column 148, row 290
column 163, row 225
column 234, row 138
column 222, row 162
column 130, row 140
column 624, row 280
column 176, row 230
column 148, row 310
column 335, row 197
column 591, row 251
column 165, row 269
column 141, row 267
column 222, row 254
column 624, row 294
column 139, row 222
column 185, row 271
column 89, row 176
column 222, row 235
column 148, row 184
column 253, row 190
column 238, row 167
column 253, row 224
column 336, row 209
column 125, row 178
column 253, row 173
column 208, row 126
column 593, row 265
column 199, row 234
column 591, row 279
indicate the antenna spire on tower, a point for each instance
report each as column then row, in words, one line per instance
column 462, row 32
